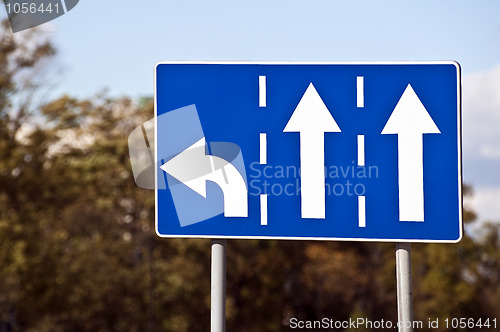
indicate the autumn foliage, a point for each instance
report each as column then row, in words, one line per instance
column 78, row 250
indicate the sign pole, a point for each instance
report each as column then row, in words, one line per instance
column 218, row 291
column 403, row 279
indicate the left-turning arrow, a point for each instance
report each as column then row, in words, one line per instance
column 193, row 167
column 312, row 119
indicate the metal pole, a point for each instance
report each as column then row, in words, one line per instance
column 403, row 279
column 151, row 309
column 218, row 292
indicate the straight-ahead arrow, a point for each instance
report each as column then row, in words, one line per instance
column 193, row 167
column 312, row 119
column 410, row 120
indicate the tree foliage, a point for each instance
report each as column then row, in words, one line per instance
column 78, row 250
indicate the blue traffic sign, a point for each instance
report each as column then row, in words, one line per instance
column 327, row 151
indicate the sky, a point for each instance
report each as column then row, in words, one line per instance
column 115, row 45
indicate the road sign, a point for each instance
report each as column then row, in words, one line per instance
column 331, row 151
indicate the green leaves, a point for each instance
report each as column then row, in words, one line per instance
column 78, row 250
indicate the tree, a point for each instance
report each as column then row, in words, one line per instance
column 78, row 250
column 74, row 238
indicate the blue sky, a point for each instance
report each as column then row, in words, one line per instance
column 116, row 44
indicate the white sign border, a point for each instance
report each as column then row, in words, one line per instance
column 423, row 62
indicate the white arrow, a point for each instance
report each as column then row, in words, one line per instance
column 312, row 119
column 410, row 120
column 193, row 167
